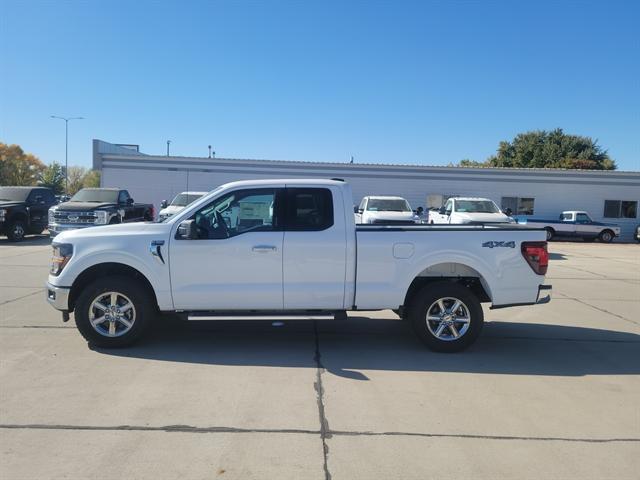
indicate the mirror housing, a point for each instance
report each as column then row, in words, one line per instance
column 163, row 204
column 187, row 230
column 129, row 201
column 356, row 209
column 442, row 211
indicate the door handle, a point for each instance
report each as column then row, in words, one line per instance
column 264, row 248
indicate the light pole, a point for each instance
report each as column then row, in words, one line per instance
column 66, row 148
column 168, row 143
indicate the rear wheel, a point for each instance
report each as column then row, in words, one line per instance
column 606, row 236
column 16, row 231
column 446, row 316
column 113, row 312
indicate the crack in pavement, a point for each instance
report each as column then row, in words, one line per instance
column 24, row 296
column 325, row 432
column 598, row 308
column 343, row 433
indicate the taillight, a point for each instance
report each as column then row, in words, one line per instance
column 153, row 212
column 536, row 255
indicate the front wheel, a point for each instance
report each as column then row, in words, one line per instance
column 550, row 233
column 446, row 316
column 113, row 312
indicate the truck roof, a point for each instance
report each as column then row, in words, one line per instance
column 299, row 181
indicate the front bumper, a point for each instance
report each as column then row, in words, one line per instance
column 58, row 297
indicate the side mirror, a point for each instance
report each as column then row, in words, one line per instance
column 356, row 209
column 129, row 201
column 442, row 211
column 508, row 212
column 163, row 204
column 187, row 230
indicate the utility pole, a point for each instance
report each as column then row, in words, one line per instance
column 168, row 143
column 66, row 148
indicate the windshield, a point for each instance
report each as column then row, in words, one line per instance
column 95, row 195
column 184, row 199
column 14, row 194
column 388, row 205
column 476, row 206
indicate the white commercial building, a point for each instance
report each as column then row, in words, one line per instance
column 608, row 196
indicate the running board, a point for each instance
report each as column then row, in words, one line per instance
column 270, row 316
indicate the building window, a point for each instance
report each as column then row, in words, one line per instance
column 620, row 209
column 518, row 205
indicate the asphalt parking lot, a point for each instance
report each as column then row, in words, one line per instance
column 551, row 391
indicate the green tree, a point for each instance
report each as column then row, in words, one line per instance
column 18, row 168
column 548, row 149
column 52, row 177
column 552, row 149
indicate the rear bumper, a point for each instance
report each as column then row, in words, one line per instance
column 58, row 297
column 544, row 294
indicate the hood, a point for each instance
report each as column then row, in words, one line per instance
column 170, row 210
column 387, row 215
column 106, row 231
column 484, row 217
column 82, row 206
column 10, row 203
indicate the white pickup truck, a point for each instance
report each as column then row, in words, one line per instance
column 469, row 210
column 385, row 210
column 290, row 249
column 574, row 223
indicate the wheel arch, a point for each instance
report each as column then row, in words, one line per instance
column 104, row 269
column 452, row 272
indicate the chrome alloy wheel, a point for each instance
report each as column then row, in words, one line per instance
column 448, row 319
column 112, row 314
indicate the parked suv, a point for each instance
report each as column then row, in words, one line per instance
column 23, row 210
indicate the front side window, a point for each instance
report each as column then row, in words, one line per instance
column 238, row 212
column 448, row 206
column 309, row 209
column 123, row 196
column 620, row 209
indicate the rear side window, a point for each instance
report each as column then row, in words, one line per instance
column 309, row 209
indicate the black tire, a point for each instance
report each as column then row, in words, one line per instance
column 550, row 233
column 426, row 302
column 16, row 231
column 606, row 236
column 128, row 290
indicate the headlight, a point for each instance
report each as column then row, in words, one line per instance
column 62, row 253
column 51, row 217
column 3, row 212
column 101, row 217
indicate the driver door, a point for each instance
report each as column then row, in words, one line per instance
column 236, row 261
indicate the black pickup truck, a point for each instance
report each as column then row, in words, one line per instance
column 23, row 210
column 97, row 206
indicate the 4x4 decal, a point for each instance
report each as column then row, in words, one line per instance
column 492, row 244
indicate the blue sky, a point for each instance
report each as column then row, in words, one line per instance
column 428, row 82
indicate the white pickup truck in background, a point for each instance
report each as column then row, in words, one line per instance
column 574, row 223
column 177, row 204
column 385, row 210
column 290, row 249
column 468, row 210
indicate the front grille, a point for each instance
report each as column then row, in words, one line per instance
column 74, row 217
